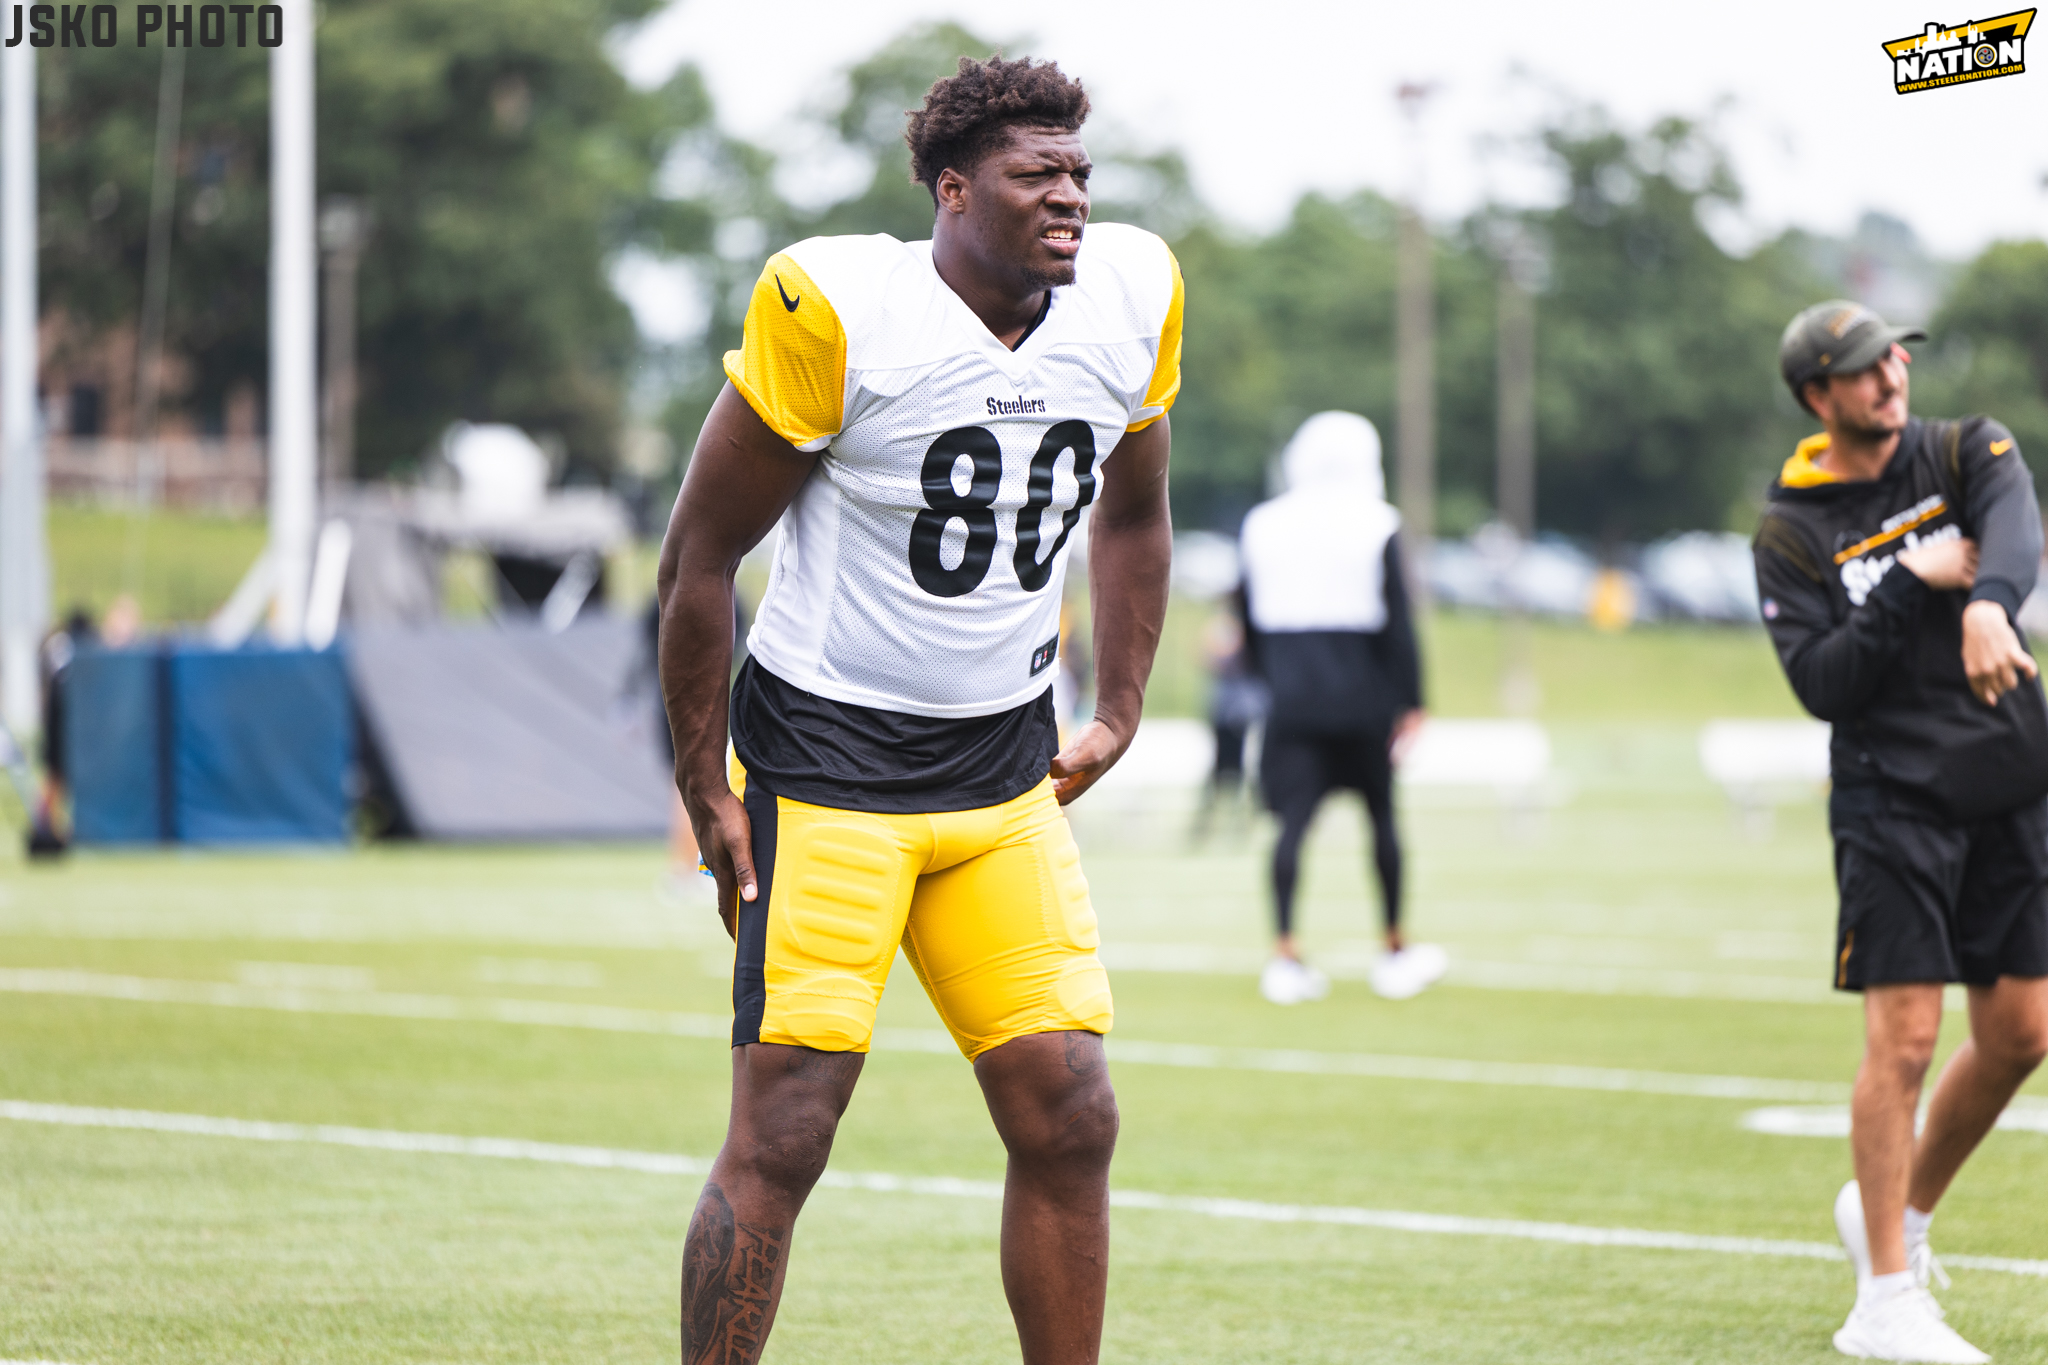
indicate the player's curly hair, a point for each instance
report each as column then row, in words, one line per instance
column 967, row 115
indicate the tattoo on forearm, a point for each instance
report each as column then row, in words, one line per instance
column 729, row 1273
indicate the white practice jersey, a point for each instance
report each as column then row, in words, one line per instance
column 920, row 567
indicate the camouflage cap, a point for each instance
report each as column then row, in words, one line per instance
column 1836, row 337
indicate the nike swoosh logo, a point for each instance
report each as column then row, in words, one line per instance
column 2000, row 447
column 787, row 301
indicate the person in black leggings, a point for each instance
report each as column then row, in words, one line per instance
column 1331, row 631
column 1297, row 771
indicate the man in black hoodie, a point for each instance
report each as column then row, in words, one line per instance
column 1891, row 562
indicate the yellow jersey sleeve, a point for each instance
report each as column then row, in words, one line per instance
column 1165, row 385
column 791, row 365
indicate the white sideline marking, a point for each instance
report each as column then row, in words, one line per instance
column 1832, row 1120
column 1659, row 983
column 540, row 971
column 1208, row 959
column 661, row 1163
column 1124, row 1051
column 382, row 1004
column 1453, row 1070
column 315, row 926
column 318, row 976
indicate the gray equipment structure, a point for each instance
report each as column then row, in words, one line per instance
column 514, row 732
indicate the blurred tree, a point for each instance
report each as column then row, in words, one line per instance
column 1658, row 402
column 1302, row 321
column 1659, row 407
column 866, row 126
column 1990, row 345
column 502, row 156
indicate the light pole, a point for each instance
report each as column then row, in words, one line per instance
column 344, row 229
column 1415, row 360
column 156, row 289
column 294, row 416
column 1515, row 449
column 24, row 559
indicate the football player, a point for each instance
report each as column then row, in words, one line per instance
column 929, row 422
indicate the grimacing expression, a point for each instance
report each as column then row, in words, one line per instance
column 1871, row 403
column 1027, row 204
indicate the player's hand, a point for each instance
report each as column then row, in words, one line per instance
column 1092, row 752
column 1407, row 726
column 1992, row 655
column 725, row 841
column 1945, row 565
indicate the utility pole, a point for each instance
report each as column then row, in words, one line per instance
column 344, row 228
column 1515, row 454
column 156, row 287
column 1415, row 360
column 24, row 558
column 294, row 320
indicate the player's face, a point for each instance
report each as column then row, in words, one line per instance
column 1027, row 205
column 1870, row 403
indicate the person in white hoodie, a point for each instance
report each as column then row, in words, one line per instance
column 1331, row 631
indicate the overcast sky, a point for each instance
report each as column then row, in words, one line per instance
column 1273, row 97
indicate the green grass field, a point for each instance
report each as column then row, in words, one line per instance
column 1606, row 951
column 1609, row 952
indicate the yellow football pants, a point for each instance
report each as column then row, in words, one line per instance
column 989, row 905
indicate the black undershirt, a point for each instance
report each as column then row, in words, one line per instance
column 832, row 753
column 1043, row 309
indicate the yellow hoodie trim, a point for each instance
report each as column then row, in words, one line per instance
column 1800, row 471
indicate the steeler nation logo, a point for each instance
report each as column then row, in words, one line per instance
column 1977, row 51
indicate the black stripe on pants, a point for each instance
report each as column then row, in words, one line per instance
column 749, row 979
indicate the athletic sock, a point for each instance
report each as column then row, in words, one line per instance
column 1882, row 1287
column 1917, row 1224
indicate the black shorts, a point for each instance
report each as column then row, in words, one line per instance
column 1297, row 769
column 1927, row 899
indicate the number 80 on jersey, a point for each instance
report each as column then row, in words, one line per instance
column 945, row 504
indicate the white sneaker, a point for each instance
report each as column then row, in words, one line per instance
column 1905, row 1325
column 1408, row 973
column 1288, row 982
column 1921, row 1260
column 1855, row 1236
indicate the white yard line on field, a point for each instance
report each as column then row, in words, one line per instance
column 1123, row 1051
column 2023, row 1115
column 662, row 1163
column 1657, row 983
column 1343, row 964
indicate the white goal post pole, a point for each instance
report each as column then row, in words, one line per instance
column 24, row 557
column 294, row 270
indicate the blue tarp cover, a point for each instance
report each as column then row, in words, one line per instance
column 113, row 746
column 210, row 746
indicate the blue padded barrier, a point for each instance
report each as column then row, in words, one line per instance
column 261, row 746
column 114, row 744
column 201, row 745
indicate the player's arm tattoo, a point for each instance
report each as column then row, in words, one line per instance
column 729, row 1282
